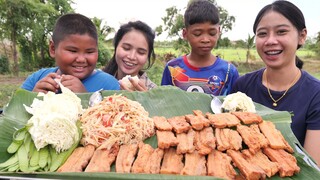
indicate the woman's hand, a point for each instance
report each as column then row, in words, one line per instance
column 136, row 85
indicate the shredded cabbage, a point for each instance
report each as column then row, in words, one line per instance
column 54, row 119
column 238, row 102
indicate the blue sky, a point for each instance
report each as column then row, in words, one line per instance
column 118, row 12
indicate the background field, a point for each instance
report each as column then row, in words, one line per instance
column 9, row 83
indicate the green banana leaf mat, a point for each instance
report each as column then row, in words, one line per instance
column 166, row 101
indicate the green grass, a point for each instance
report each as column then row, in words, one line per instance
column 6, row 92
column 317, row 75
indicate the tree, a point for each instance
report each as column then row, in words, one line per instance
column 240, row 44
column 27, row 24
column 103, row 32
column 173, row 24
column 225, row 42
column 13, row 22
column 249, row 45
column 45, row 15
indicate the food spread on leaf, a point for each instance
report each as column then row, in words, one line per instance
column 197, row 144
column 233, row 144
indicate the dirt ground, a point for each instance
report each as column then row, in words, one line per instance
column 11, row 80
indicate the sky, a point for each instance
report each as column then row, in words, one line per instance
column 117, row 12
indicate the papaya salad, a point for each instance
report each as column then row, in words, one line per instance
column 116, row 119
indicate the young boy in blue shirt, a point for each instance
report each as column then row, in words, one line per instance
column 74, row 46
column 200, row 70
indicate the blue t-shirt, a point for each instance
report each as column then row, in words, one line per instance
column 216, row 79
column 302, row 100
column 94, row 82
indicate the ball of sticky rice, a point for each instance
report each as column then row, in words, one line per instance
column 238, row 102
column 126, row 82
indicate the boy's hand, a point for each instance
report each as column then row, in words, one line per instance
column 48, row 83
column 73, row 83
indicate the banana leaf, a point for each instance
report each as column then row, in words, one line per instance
column 166, row 101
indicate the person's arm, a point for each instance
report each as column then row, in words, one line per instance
column 312, row 144
column 166, row 77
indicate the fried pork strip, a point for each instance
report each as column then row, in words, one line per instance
column 186, row 142
column 172, row 162
column 195, row 121
column 247, row 169
column 204, row 141
column 222, row 120
column 207, row 137
column 287, row 163
column 166, row 139
column 252, row 136
column 161, row 123
column 261, row 160
column 125, row 158
column 274, row 136
column 179, row 124
column 78, row 160
column 145, row 151
column 102, row 159
column 202, row 117
column 195, row 164
column 228, row 139
column 154, row 163
column 219, row 165
column 248, row 117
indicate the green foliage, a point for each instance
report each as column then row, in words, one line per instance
column 27, row 24
column 225, row 42
column 26, row 55
column 249, row 45
column 4, row 65
column 155, row 72
column 104, row 55
column 103, row 32
column 6, row 92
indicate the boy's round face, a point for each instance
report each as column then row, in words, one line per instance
column 75, row 55
column 131, row 53
column 202, row 37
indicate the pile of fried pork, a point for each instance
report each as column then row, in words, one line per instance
column 197, row 144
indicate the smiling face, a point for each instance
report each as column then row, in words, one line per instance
column 75, row 55
column 277, row 40
column 131, row 53
column 202, row 37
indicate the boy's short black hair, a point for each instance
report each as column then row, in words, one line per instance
column 73, row 23
column 200, row 11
